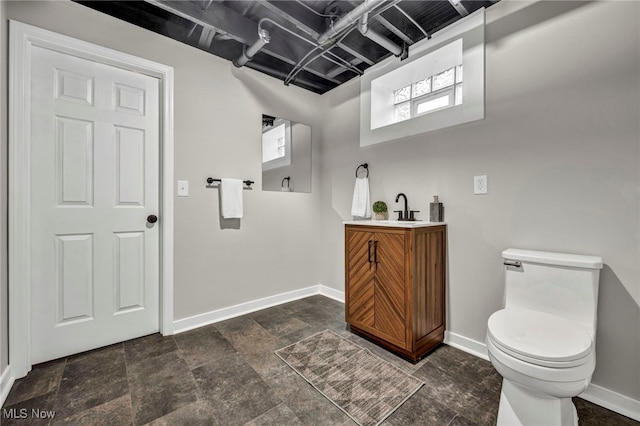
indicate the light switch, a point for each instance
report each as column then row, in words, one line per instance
column 183, row 188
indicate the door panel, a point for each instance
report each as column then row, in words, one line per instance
column 390, row 287
column 360, row 309
column 130, row 162
column 74, row 277
column 94, row 180
column 74, row 161
column 129, row 271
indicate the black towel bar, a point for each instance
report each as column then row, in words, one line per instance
column 247, row 182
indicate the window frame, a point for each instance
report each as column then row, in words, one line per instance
column 414, row 101
column 376, row 118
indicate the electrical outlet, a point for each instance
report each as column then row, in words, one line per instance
column 480, row 184
column 183, row 188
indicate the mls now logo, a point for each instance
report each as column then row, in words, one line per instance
column 23, row 413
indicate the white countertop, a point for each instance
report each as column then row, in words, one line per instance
column 394, row 223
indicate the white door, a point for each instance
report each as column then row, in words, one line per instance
column 94, row 183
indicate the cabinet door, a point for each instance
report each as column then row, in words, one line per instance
column 360, row 282
column 390, row 287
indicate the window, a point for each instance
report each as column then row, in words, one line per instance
column 276, row 144
column 273, row 143
column 424, row 86
column 418, row 98
column 428, row 90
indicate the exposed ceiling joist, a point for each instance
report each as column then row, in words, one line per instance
column 351, row 50
column 300, row 17
column 314, row 44
column 459, row 7
column 224, row 20
column 388, row 25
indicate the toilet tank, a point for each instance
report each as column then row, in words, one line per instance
column 561, row 284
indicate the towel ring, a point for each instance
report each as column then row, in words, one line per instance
column 366, row 167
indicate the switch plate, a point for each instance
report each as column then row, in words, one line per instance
column 480, row 184
column 183, row 188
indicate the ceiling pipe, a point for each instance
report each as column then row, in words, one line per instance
column 247, row 54
column 349, row 19
column 281, row 74
column 363, row 27
column 327, row 50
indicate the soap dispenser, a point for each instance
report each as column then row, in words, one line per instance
column 436, row 210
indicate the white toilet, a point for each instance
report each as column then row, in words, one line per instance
column 543, row 341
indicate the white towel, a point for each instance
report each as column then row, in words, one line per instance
column 361, row 205
column 231, row 198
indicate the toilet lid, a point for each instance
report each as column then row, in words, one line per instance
column 539, row 335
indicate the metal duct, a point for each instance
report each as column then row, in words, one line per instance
column 363, row 27
column 263, row 38
column 349, row 19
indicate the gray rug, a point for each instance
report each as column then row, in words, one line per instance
column 367, row 388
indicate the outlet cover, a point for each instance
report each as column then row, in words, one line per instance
column 480, row 184
column 183, row 188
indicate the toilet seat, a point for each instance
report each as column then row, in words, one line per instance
column 540, row 338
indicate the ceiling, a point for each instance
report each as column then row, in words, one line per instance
column 313, row 44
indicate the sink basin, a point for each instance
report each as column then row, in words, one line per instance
column 395, row 223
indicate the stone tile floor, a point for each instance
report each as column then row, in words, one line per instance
column 227, row 374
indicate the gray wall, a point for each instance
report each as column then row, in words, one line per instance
column 271, row 253
column 560, row 146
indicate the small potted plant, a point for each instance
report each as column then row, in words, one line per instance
column 380, row 210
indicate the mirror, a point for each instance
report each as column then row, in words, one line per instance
column 286, row 155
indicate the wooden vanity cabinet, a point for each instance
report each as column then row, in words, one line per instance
column 395, row 286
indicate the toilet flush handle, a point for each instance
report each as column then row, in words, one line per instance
column 514, row 263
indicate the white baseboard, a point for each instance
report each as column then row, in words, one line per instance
column 598, row 395
column 207, row 318
column 331, row 293
column 6, row 381
column 465, row 344
column 614, row 401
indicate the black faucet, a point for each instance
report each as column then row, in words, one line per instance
column 405, row 214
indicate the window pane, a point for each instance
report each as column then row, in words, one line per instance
column 401, row 95
column 272, row 142
column 444, row 79
column 402, row 112
column 459, row 74
column 459, row 94
column 433, row 104
column 422, row 87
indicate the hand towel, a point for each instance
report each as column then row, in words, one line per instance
column 361, row 205
column 231, row 198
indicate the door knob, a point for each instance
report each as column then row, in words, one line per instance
column 152, row 218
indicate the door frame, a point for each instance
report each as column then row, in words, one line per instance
column 22, row 38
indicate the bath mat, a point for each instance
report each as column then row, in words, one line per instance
column 367, row 388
